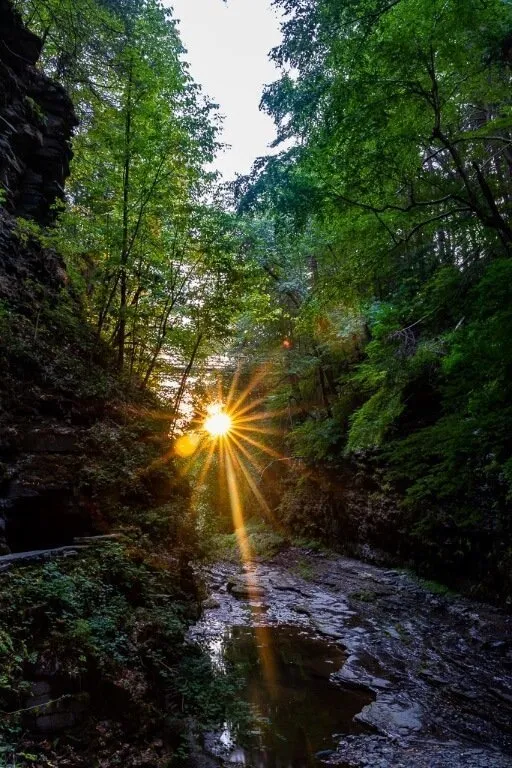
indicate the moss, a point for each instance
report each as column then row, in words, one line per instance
column 364, row 596
column 435, row 587
column 304, row 569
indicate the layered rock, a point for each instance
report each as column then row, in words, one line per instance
column 80, row 449
column 36, row 121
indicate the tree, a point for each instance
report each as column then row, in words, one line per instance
column 396, row 199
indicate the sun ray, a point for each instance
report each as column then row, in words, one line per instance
column 260, row 430
column 252, row 485
column 259, row 416
column 259, row 375
column 267, row 658
column 250, row 407
column 207, row 464
column 251, row 459
column 257, row 444
column 236, row 510
column 226, row 433
column 233, row 386
column 264, row 645
column 203, row 446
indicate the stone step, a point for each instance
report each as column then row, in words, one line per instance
column 40, row 554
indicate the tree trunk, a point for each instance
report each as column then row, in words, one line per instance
column 123, row 280
column 184, row 379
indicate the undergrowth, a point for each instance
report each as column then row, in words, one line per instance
column 106, row 630
column 263, row 541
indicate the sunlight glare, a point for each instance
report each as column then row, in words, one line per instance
column 186, row 445
column 218, row 423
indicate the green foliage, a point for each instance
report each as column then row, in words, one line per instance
column 436, row 588
column 316, row 439
column 304, row 569
column 155, row 261
column 372, row 421
column 110, row 620
column 27, row 229
column 385, row 236
column 264, row 543
column 211, row 698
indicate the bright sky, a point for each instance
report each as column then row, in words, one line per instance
column 228, row 45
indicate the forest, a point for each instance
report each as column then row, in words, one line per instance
column 365, row 267
column 341, row 317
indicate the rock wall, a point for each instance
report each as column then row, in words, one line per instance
column 81, row 449
column 36, row 121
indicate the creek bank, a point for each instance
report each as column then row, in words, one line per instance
column 438, row 667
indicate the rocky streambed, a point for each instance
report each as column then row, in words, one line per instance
column 349, row 664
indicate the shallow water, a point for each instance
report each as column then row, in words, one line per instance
column 297, row 710
column 437, row 668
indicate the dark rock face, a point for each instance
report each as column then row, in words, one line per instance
column 36, row 466
column 36, row 121
column 77, row 452
column 25, row 268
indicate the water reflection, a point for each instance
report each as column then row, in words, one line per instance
column 296, row 708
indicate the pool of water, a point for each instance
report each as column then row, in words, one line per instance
column 295, row 707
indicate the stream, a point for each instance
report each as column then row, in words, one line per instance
column 348, row 664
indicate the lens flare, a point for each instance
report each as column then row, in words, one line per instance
column 218, row 423
column 186, row 445
column 228, row 428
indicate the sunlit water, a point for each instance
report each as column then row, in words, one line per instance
column 297, row 710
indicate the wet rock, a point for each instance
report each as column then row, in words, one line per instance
column 287, row 585
column 379, row 752
column 40, row 693
column 53, row 715
column 393, row 715
column 355, row 675
column 464, row 693
column 329, row 630
column 303, row 609
column 418, row 656
column 245, row 588
column 211, row 602
column 246, row 591
column 433, row 678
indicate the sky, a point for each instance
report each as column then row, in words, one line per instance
column 227, row 49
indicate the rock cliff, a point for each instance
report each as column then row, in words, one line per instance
column 36, row 121
column 75, row 445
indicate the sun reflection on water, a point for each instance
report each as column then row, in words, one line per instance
column 229, row 429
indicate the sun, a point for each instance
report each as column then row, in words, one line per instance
column 218, row 423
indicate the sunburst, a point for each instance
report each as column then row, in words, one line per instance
column 218, row 423
column 229, row 429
